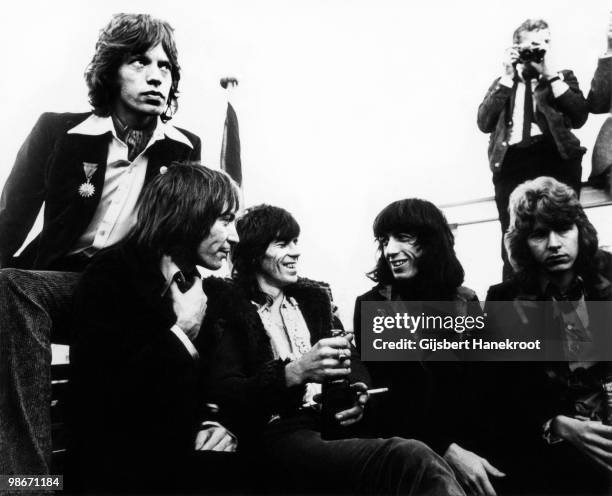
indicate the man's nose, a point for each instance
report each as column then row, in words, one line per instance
column 554, row 241
column 232, row 234
column 392, row 246
column 154, row 75
column 294, row 250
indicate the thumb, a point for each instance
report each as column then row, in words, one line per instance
column 491, row 469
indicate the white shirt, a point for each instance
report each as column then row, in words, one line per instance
column 289, row 336
column 516, row 131
column 123, row 181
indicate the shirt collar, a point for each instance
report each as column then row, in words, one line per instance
column 169, row 269
column 96, row 125
column 287, row 302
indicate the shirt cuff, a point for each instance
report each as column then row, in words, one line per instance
column 559, row 87
column 548, row 436
column 506, row 81
column 179, row 333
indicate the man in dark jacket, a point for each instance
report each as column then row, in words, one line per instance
column 277, row 347
column 546, row 417
column 88, row 171
column 529, row 111
column 138, row 357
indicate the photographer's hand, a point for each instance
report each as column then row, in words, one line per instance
column 510, row 60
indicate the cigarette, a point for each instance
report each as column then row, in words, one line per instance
column 377, row 390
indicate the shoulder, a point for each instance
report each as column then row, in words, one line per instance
column 604, row 264
column 503, row 291
column 191, row 137
column 465, row 294
column 373, row 294
column 310, row 289
column 61, row 122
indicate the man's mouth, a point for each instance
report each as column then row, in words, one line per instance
column 556, row 259
column 290, row 265
column 397, row 263
column 154, row 94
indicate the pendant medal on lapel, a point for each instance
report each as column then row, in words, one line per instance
column 87, row 190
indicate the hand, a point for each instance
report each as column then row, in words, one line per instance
column 189, row 308
column 511, row 56
column 215, row 438
column 472, row 471
column 355, row 414
column 548, row 68
column 327, row 359
column 591, row 437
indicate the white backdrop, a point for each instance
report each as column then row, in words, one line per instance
column 343, row 105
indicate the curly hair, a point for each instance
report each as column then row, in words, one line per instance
column 439, row 271
column 528, row 25
column 551, row 203
column 257, row 228
column 178, row 208
column 125, row 35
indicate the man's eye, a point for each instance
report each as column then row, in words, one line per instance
column 138, row 63
column 383, row 241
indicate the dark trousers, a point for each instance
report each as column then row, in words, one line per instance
column 522, row 163
column 301, row 461
column 30, row 303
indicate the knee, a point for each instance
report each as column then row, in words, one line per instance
column 414, row 453
column 9, row 279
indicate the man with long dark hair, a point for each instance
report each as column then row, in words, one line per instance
column 276, row 348
column 88, row 171
column 138, row 355
column 546, row 417
column 426, row 401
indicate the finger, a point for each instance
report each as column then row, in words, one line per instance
column 486, row 486
column 201, row 438
column 601, row 429
column 331, row 363
column 359, row 387
column 494, row 471
column 223, row 443
column 338, row 342
column 349, row 413
column 362, row 399
column 337, row 372
column 215, row 436
column 230, row 447
column 351, row 421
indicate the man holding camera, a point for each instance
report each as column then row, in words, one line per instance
column 529, row 112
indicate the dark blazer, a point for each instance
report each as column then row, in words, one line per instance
column 49, row 170
column 426, row 401
column 246, row 380
column 137, row 397
column 555, row 116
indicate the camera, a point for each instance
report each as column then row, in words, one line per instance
column 529, row 54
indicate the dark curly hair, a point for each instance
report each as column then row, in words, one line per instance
column 178, row 208
column 257, row 228
column 553, row 204
column 439, row 271
column 125, row 35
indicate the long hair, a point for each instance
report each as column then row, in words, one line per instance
column 125, row 35
column 178, row 208
column 257, row 228
column 439, row 271
column 546, row 201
